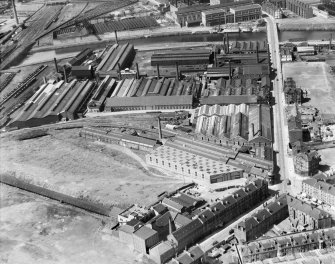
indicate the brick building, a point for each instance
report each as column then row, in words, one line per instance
column 300, row 7
column 260, row 222
column 246, row 12
column 272, row 9
column 320, row 190
column 307, row 163
column 288, row 245
column 306, row 215
column 293, row 94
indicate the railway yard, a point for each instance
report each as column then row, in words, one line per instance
column 132, row 148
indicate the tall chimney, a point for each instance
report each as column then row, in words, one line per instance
column 56, row 66
column 15, row 13
column 44, row 80
column 224, row 44
column 137, row 71
column 229, row 69
column 177, row 71
column 227, row 43
column 257, row 52
column 330, row 41
column 65, row 77
column 215, row 62
column 116, row 40
column 159, row 129
column 158, row 75
column 119, row 67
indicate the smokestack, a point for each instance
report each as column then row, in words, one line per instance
column 224, row 44
column 159, row 129
column 15, row 13
column 137, row 71
column 215, row 62
column 227, row 43
column 116, row 40
column 229, row 69
column 65, row 77
column 44, row 80
column 119, row 66
column 330, row 41
column 56, row 66
column 158, row 75
column 257, row 55
column 177, row 71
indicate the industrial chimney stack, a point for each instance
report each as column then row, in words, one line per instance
column 56, row 66
column 15, row 13
column 159, row 129
column 116, row 40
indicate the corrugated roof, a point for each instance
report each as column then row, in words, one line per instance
column 149, row 101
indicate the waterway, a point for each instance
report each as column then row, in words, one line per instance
column 196, row 38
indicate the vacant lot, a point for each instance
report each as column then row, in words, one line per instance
column 316, row 79
column 41, row 231
column 327, row 157
column 70, row 164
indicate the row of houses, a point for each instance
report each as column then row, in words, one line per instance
column 287, row 245
column 175, row 224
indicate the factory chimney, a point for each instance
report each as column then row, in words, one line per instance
column 137, row 71
column 177, row 71
column 65, row 77
column 158, row 75
column 119, row 67
column 56, row 66
column 215, row 61
column 257, row 52
column 227, row 43
column 330, row 41
column 15, row 13
column 224, row 45
column 229, row 69
column 116, row 40
column 159, row 129
column 44, row 80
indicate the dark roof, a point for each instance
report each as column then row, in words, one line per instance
column 320, row 185
column 145, row 232
column 206, row 215
column 149, row 101
column 226, row 99
column 137, row 139
column 159, row 208
column 260, row 122
column 246, row 7
column 182, row 220
column 172, row 204
column 187, row 230
column 306, row 208
column 185, row 200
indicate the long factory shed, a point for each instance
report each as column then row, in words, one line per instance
column 182, row 57
column 116, row 58
column 53, row 102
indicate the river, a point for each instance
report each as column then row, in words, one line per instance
column 72, row 51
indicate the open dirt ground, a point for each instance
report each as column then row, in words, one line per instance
column 70, row 164
column 42, row 231
column 327, row 156
column 316, row 79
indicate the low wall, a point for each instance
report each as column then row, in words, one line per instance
column 63, row 198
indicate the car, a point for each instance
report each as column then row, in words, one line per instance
column 231, row 231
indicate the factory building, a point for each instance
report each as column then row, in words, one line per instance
column 216, row 17
column 201, row 165
column 246, row 12
column 287, row 245
column 205, row 162
column 238, row 47
column 129, row 141
column 137, row 94
column 279, row 3
column 192, row 15
column 307, row 163
column 319, row 189
column 239, row 123
column 105, row 89
column 82, row 72
column 53, row 102
column 162, row 252
column 259, row 223
column 307, row 216
column 116, row 58
column 80, row 57
column 192, row 256
column 181, row 57
column 220, row 2
column 306, row 50
column 300, row 7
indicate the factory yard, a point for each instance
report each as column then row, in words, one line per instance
column 316, row 79
column 69, row 164
column 41, row 231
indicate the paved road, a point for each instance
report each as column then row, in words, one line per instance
column 280, row 129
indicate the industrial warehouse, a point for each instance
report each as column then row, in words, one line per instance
column 53, row 102
column 207, row 163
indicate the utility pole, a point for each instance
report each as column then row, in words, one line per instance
column 15, row 13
